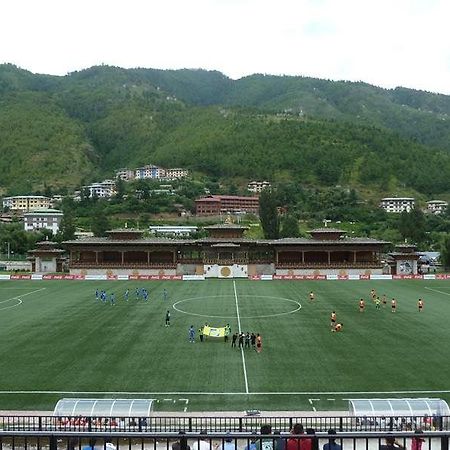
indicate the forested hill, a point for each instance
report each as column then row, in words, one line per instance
column 63, row 131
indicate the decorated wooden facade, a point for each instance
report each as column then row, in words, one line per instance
column 225, row 253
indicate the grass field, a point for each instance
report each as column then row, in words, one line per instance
column 58, row 341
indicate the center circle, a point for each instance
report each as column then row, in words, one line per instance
column 295, row 308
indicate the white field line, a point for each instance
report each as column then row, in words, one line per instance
column 19, row 302
column 240, row 331
column 445, row 391
column 18, row 297
column 436, row 290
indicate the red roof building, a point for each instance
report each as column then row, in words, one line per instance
column 213, row 205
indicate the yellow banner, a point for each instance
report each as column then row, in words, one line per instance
column 214, row 332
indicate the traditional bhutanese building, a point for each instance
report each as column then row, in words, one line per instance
column 226, row 253
column 46, row 258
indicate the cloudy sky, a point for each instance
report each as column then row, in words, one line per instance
column 385, row 42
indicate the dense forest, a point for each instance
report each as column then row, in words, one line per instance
column 330, row 149
column 64, row 131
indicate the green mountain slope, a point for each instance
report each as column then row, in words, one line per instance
column 231, row 143
column 64, row 130
column 40, row 145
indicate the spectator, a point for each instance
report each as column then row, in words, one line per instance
column 228, row 444
column 296, row 443
column 251, row 444
column 391, row 444
column 332, row 445
column 181, row 444
column 265, row 443
column 280, row 442
column 203, row 443
column 416, row 443
column 91, row 445
column 314, row 439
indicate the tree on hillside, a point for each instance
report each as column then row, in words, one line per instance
column 412, row 226
column 445, row 252
column 66, row 227
column 268, row 214
column 289, row 227
column 100, row 223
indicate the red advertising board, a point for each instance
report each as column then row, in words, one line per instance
column 407, row 277
column 364, row 277
column 155, row 277
column 299, row 277
column 62, row 276
column 342, row 277
column 442, row 276
column 254, row 277
column 20, row 277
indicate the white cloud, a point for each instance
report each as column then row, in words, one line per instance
column 387, row 43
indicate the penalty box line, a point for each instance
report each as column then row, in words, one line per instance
column 18, row 297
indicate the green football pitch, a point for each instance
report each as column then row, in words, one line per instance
column 58, row 341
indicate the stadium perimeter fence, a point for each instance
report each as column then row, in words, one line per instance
column 218, row 424
column 160, row 433
column 58, row 440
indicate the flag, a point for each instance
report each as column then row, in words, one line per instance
column 214, row 332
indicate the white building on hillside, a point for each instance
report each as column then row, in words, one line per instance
column 258, row 186
column 49, row 219
column 105, row 189
column 397, row 204
column 437, row 206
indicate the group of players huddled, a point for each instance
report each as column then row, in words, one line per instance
column 104, row 297
column 337, row 326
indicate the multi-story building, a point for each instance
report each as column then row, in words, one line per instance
column 105, row 189
column 125, row 174
column 150, row 171
column 397, row 204
column 56, row 199
column 49, row 219
column 437, row 206
column 26, row 202
column 212, row 205
column 258, row 186
column 172, row 174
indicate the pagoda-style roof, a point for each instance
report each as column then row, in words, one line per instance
column 120, row 241
column 325, row 233
column 226, row 230
column 405, row 248
column 125, row 234
column 224, row 240
column 46, row 247
column 345, row 240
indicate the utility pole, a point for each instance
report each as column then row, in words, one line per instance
column 8, row 244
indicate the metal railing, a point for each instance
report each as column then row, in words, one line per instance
column 217, row 424
column 220, row 441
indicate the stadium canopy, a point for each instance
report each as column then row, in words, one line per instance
column 102, row 407
column 398, row 407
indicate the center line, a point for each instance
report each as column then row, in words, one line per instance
column 240, row 331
